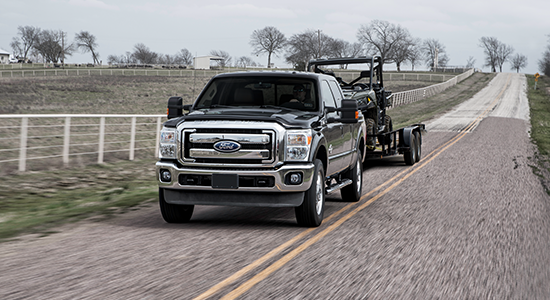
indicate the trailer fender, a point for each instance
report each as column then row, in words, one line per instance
column 408, row 135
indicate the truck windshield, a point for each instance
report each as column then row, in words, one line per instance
column 295, row 93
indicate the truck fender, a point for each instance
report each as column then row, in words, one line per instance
column 318, row 150
column 360, row 142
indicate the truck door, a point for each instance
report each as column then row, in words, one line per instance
column 334, row 133
column 347, row 129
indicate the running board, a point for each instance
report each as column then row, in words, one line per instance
column 338, row 186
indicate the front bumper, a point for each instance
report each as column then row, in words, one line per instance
column 278, row 193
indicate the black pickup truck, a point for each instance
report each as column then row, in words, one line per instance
column 262, row 139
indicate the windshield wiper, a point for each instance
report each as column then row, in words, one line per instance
column 271, row 106
column 220, row 106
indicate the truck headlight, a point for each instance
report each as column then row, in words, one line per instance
column 298, row 143
column 167, row 147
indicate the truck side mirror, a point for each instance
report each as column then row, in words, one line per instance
column 174, row 107
column 350, row 111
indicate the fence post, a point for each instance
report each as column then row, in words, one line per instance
column 66, row 141
column 132, row 138
column 159, row 122
column 101, row 140
column 23, row 144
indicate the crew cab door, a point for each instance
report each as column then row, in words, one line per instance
column 337, row 134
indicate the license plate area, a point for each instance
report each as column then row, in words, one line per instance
column 225, row 181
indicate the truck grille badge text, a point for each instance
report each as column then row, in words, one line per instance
column 227, row 146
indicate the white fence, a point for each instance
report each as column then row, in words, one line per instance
column 403, row 98
column 58, row 140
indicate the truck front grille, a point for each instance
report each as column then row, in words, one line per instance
column 255, row 146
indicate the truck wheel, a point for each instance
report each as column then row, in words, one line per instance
column 388, row 127
column 310, row 213
column 353, row 191
column 172, row 213
column 371, row 139
column 418, row 146
column 410, row 155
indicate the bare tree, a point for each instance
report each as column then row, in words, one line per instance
column 308, row 45
column 223, row 54
column 504, row 51
column 496, row 52
column 166, row 59
column 415, row 53
column 518, row 61
column 382, row 37
column 544, row 62
column 143, row 55
column 122, row 59
column 402, row 51
column 245, row 61
column 86, row 42
column 470, row 62
column 53, row 46
column 28, row 37
column 267, row 40
column 432, row 48
column 184, row 57
column 341, row 48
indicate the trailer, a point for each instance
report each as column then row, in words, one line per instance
column 372, row 100
column 406, row 141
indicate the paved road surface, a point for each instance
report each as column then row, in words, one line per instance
column 470, row 221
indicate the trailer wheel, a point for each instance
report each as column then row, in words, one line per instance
column 172, row 213
column 370, row 139
column 418, row 146
column 353, row 191
column 410, row 155
column 310, row 213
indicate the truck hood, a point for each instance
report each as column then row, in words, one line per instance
column 284, row 116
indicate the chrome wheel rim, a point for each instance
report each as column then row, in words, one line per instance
column 319, row 194
column 358, row 170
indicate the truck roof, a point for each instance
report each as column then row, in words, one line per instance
column 298, row 74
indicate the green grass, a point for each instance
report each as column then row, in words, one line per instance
column 431, row 107
column 539, row 102
column 37, row 202
column 539, row 105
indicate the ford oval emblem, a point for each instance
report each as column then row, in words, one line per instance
column 227, row 146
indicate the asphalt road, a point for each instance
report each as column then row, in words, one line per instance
column 469, row 221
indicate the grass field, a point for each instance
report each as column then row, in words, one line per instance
column 36, row 202
column 539, row 104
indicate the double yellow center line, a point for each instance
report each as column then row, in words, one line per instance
column 403, row 175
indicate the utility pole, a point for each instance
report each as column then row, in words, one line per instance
column 319, row 49
column 63, row 49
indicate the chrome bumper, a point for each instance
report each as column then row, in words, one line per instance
column 279, row 175
column 278, row 195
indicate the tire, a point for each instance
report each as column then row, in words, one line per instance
column 172, row 213
column 310, row 213
column 353, row 191
column 410, row 155
column 388, row 127
column 418, row 146
column 370, row 141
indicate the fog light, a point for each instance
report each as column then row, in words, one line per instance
column 165, row 175
column 295, row 178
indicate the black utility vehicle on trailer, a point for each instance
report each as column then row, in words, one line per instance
column 373, row 100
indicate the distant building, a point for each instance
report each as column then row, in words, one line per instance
column 203, row 62
column 4, row 56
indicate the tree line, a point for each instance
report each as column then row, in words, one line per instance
column 392, row 42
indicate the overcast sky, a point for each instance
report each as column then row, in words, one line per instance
column 166, row 26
